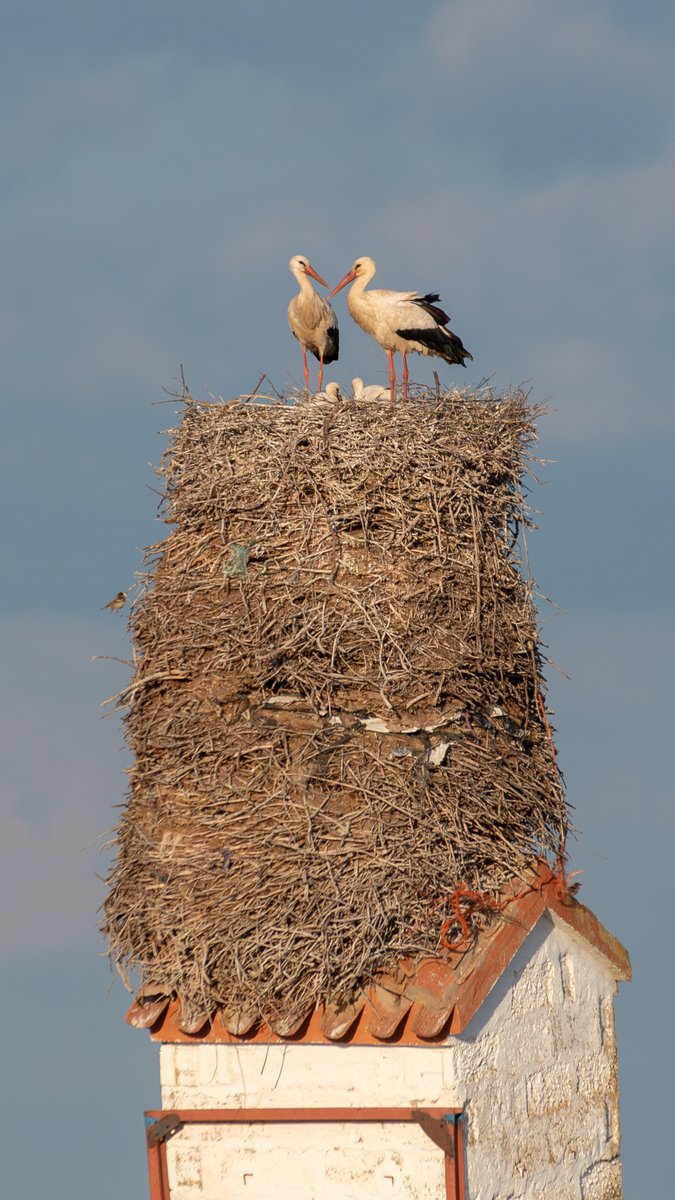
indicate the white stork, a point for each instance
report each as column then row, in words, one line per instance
column 404, row 321
column 312, row 319
column 369, row 391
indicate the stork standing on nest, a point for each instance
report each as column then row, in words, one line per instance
column 403, row 321
column 312, row 319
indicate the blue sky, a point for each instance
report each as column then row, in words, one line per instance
column 160, row 164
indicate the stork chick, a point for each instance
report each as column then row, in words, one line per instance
column 369, row 391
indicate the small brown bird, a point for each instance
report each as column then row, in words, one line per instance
column 117, row 601
column 312, row 319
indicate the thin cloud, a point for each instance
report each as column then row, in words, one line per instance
column 55, row 114
column 574, row 40
column 563, row 286
column 62, row 774
column 543, row 88
column 619, row 695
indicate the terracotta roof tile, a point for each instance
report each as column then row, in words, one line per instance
column 144, row 1013
column 384, row 1012
column 192, row 1022
column 428, row 1023
column 239, row 1023
column 338, row 1020
column 287, row 1027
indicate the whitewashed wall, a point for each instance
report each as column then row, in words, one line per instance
column 535, row 1069
column 341, row 1161
column 539, row 1064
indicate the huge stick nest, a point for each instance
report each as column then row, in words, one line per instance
column 336, row 718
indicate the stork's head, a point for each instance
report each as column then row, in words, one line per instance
column 299, row 265
column 361, row 267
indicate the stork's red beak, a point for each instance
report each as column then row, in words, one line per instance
column 309, row 270
column 343, row 283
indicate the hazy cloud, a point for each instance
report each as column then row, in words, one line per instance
column 137, row 251
column 61, row 775
column 547, row 88
column 564, row 286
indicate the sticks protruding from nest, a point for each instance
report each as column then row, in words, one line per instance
column 336, row 718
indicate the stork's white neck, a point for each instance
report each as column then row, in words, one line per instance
column 304, row 282
column 367, row 272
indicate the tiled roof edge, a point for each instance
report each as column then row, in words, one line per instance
column 435, row 999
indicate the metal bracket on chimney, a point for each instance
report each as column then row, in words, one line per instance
column 163, row 1129
column 439, row 1129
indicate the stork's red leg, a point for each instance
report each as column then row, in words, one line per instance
column 392, row 375
column 305, row 369
column 405, row 377
column 320, row 379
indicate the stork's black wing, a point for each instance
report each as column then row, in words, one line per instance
column 428, row 303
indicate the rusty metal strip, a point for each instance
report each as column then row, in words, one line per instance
column 157, row 1172
column 460, row 1166
column 442, row 1125
column 203, row 1116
